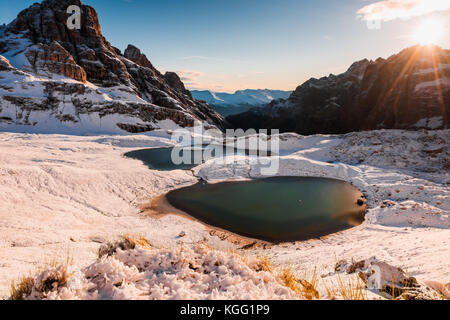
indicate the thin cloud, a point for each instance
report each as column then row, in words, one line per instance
column 192, row 80
column 388, row 10
column 189, row 75
column 210, row 87
column 200, row 58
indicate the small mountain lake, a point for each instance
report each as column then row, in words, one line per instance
column 161, row 158
column 274, row 209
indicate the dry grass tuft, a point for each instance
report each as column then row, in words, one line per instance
column 263, row 264
column 40, row 286
column 353, row 289
column 56, row 262
column 22, row 290
column 127, row 243
column 306, row 289
column 310, row 291
column 259, row 264
column 289, row 280
column 54, row 280
column 54, row 274
column 139, row 242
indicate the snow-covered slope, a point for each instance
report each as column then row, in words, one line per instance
column 35, row 104
column 136, row 273
column 64, row 196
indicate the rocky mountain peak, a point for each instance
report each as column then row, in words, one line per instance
column 175, row 83
column 134, row 54
column 358, row 68
column 46, row 22
column 38, row 41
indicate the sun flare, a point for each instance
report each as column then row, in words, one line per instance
column 429, row 32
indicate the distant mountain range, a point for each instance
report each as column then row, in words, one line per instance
column 409, row 90
column 243, row 100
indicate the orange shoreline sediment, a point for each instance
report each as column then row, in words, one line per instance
column 159, row 207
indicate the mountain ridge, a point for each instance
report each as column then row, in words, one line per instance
column 409, row 90
column 247, row 96
column 240, row 101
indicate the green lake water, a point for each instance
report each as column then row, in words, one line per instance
column 275, row 209
column 161, row 158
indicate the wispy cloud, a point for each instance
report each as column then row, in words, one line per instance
column 209, row 86
column 189, row 75
column 388, row 10
column 200, row 58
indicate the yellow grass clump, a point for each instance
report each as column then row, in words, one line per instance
column 306, row 289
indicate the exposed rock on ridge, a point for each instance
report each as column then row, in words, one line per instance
column 54, row 59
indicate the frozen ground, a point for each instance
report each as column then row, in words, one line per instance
column 63, row 196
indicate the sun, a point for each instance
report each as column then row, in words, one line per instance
column 429, row 32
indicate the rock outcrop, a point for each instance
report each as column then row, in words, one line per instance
column 389, row 281
column 134, row 54
column 54, row 58
column 410, row 90
column 175, row 83
column 4, row 64
column 47, row 22
column 39, row 42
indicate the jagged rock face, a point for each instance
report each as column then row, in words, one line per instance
column 54, row 59
column 4, row 64
column 47, row 22
column 134, row 54
column 40, row 34
column 410, row 90
column 175, row 83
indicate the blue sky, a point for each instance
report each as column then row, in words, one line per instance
column 236, row 44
